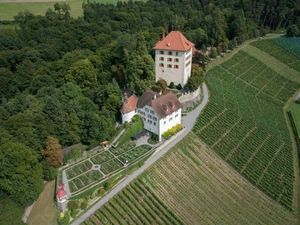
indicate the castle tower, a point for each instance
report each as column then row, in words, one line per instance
column 61, row 198
column 173, row 58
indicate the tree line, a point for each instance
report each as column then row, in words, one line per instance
column 61, row 78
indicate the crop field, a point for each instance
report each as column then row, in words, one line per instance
column 9, row 9
column 100, row 166
column 245, row 125
column 191, row 185
column 286, row 50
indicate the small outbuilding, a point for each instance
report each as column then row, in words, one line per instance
column 128, row 109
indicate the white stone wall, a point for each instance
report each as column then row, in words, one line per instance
column 127, row 117
column 166, row 63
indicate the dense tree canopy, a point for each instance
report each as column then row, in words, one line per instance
column 63, row 77
column 21, row 173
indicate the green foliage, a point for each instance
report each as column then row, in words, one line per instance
column 21, row 173
column 49, row 172
column 172, row 131
column 196, row 79
column 72, row 155
column 162, row 84
column 63, row 219
column 213, row 52
column 292, row 31
column 132, row 129
column 11, row 212
column 84, row 204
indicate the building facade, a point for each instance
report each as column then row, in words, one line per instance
column 173, row 58
column 159, row 112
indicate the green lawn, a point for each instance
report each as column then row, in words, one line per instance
column 9, row 10
column 295, row 110
column 131, row 130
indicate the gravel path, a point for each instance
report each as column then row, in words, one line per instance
column 188, row 122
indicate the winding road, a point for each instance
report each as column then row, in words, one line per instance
column 188, row 122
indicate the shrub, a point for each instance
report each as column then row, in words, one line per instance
column 63, row 219
column 213, row 53
column 100, row 192
column 72, row 205
column 169, row 133
column 84, row 204
column 49, row 172
column 72, row 155
column 172, row 85
column 292, row 31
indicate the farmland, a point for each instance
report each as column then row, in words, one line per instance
column 191, row 185
column 245, row 125
column 9, row 9
column 98, row 167
column 286, row 50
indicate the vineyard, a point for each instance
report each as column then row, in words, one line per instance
column 286, row 50
column 100, row 166
column 137, row 204
column 191, row 185
column 245, row 125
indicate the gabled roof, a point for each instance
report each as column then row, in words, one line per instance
column 174, row 41
column 129, row 104
column 163, row 105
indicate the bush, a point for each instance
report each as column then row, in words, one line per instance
column 172, row 85
column 73, row 205
column 179, row 87
column 169, row 133
column 49, row 172
column 63, row 219
column 84, row 204
column 213, row 53
column 292, row 31
column 100, row 192
column 106, row 186
column 72, row 155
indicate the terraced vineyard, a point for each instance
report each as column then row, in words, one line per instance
column 137, row 204
column 191, row 185
column 244, row 123
column 286, row 50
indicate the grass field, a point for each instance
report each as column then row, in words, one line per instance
column 9, row 9
column 191, row 185
column 44, row 210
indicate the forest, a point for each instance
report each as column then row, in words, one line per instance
column 61, row 78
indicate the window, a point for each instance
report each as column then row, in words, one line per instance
column 154, row 118
column 149, row 116
column 152, row 112
column 176, row 60
column 161, row 52
column 170, row 53
column 170, row 118
column 176, row 66
column 164, row 122
column 161, row 65
column 169, row 66
column 177, row 53
column 161, row 58
column 169, row 59
column 176, row 115
column 154, row 124
column 147, row 110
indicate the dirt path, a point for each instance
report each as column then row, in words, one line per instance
column 44, row 210
column 229, row 55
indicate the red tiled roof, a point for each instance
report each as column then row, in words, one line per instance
column 175, row 41
column 129, row 104
column 163, row 105
column 61, row 191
